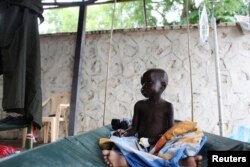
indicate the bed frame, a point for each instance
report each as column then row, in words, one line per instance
column 83, row 151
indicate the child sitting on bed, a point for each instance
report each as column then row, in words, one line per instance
column 152, row 118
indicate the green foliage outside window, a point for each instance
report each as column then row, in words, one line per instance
column 131, row 14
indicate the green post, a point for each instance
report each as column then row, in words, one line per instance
column 29, row 137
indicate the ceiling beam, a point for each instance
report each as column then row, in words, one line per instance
column 52, row 5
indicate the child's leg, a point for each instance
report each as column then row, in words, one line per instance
column 113, row 159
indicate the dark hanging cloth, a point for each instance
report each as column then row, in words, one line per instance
column 20, row 58
column 34, row 5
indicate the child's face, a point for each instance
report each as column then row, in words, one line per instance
column 151, row 85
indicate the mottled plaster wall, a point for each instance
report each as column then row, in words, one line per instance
column 136, row 51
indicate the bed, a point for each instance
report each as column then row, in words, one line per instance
column 83, row 150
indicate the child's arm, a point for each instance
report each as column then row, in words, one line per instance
column 133, row 129
column 170, row 116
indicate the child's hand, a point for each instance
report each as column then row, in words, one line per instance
column 120, row 133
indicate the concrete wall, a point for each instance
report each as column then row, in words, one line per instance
column 136, row 51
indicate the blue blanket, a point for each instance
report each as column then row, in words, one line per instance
column 182, row 140
column 137, row 156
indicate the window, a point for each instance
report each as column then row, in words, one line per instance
column 132, row 14
column 60, row 20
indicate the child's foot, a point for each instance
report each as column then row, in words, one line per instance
column 191, row 161
column 113, row 159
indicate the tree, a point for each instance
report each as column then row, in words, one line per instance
column 127, row 15
column 131, row 15
column 224, row 9
column 60, row 20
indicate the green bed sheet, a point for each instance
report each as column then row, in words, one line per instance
column 83, row 150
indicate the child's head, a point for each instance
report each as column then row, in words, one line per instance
column 154, row 81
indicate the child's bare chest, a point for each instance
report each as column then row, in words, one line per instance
column 153, row 113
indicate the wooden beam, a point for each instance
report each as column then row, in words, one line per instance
column 79, row 52
column 74, row 4
column 145, row 13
